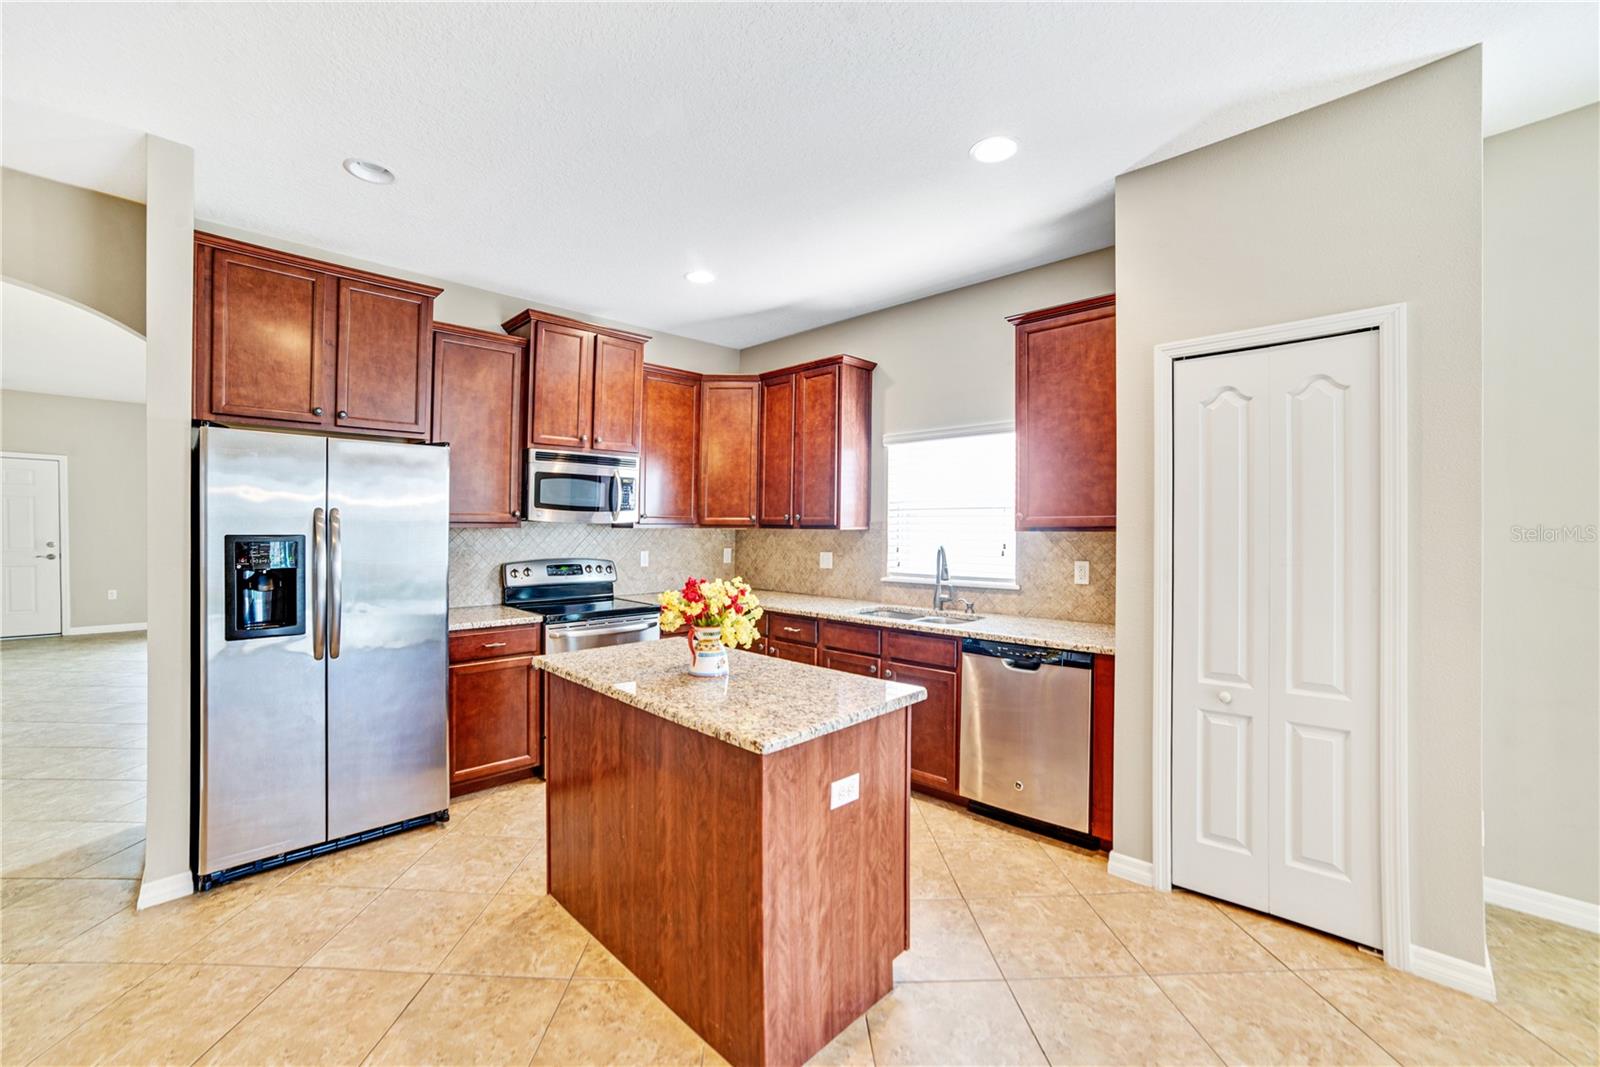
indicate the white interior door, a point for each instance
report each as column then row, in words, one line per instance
column 30, row 552
column 1275, row 628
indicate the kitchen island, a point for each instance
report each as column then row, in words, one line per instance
column 740, row 844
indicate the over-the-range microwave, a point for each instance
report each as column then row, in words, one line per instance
column 593, row 487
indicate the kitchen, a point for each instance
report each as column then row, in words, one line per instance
column 463, row 788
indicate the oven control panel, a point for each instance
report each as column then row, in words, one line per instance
column 557, row 572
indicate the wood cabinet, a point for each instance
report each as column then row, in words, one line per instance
column 477, row 411
column 935, row 724
column 1067, row 416
column 816, row 448
column 669, row 441
column 496, row 727
column 730, row 418
column 282, row 340
column 777, row 451
column 585, row 383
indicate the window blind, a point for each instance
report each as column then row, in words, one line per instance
column 959, row 492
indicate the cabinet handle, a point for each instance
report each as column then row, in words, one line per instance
column 887, row 673
column 583, row 438
column 494, row 644
column 515, row 513
column 791, row 629
column 872, row 668
column 344, row 414
column 785, row 516
column 316, row 411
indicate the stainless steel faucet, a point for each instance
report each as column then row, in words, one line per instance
column 942, row 592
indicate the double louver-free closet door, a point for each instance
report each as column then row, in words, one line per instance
column 1275, row 631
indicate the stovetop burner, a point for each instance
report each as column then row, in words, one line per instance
column 568, row 590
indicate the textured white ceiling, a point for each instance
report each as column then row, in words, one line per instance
column 812, row 155
column 51, row 345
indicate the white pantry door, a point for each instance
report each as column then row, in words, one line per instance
column 1309, row 850
column 30, row 553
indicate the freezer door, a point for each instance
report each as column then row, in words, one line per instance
column 260, row 726
column 388, row 545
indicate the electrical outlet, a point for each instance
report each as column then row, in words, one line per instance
column 727, row 555
column 825, row 561
column 1080, row 572
column 644, row 557
column 845, row 791
column 111, row 594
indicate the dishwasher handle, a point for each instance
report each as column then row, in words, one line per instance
column 1017, row 657
column 1024, row 666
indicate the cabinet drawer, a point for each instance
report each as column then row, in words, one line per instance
column 866, row 666
column 866, row 640
column 792, row 628
column 919, row 648
column 791, row 651
column 466, row 645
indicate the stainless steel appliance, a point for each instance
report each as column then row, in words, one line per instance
column 320, row 690
column 593, row 487
column 1025, row 722
column 576, row 599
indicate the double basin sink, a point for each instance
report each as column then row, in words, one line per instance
column 923, row 617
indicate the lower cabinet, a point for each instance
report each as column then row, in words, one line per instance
column 792, row 651
column 496, row 721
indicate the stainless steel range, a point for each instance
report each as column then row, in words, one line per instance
column 576, row 598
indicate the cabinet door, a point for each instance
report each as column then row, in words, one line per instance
column 271, row 353
column 494, row 718
column 729, row 421
column 477, row 411
column 561, row 386
column 668, row 443
column 791, row 651
column 777, row 451
column 935, row 725
column 849, row 663
column 618, row 394
column 1067, row 421
column 385, row 359
column 817, row 447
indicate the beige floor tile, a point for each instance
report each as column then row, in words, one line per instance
column 531, row 876
column 1002, row 866
column 49, row 800
column 471, row 1019
column 159, row 934
column 930, row 878
column 1421, row 1022
column 1268, row 1019
column 318, row 1016
column 598, row 962
column 62, row 849
column 1122, row 1020
column 1561, row 1008
column 520, row 936
column 946, row 945
column 1530, row 943
column 284, row 927
column 1177, row 933
column 374, row 865
column 616, row 1023
column 1297, row 947
column 951, row 1023
column 45, row 1002
column 1049, row 937
column 852, row 1048
column 468, row 863
column 513, row 811
column 54, row 912
column 1087, row 870
column 171, row 1017
column 129, row 863
column 403, row 930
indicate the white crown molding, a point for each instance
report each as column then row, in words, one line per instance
column 1569, row 911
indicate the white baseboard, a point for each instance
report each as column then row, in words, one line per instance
column 108, row 628
column 1474, row 978
column 1530, row 901
column 162, row 890
column 1122, row 865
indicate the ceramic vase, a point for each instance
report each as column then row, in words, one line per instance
column 707, row 656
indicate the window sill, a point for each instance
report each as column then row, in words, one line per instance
column 954, row 583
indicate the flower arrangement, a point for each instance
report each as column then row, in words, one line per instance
column 727, row 606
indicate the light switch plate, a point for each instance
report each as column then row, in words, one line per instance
column 825, row 560
column 845, row 791
column 727, row 555
column 644, row 557
column 111, row 594
column 1080, row 572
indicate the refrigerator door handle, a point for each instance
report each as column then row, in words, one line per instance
column 319, row 568
column 335, row 584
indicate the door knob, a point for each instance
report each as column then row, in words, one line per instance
column 47, row 555
column 1225, row 697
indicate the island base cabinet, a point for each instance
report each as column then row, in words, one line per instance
column 766, row 919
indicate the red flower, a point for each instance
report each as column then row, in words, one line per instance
column 691, row 591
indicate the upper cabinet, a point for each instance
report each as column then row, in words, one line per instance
column 730, row 420
column 669, row 447
column 281, row 340
column 1067, row 416
column 816, row 446
column 586, row 383
column 477, row 411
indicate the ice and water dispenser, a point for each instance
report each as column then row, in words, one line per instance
column 266, row 586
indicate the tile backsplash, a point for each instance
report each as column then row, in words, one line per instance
column 476, row 555
column 787, row 560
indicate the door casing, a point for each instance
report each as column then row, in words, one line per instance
column 1394, row 837
column 61, row 509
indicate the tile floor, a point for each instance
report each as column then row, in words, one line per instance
column 440, row 946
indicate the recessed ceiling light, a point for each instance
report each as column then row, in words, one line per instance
column 367, row 171
column 994, row 150
column 699, row 277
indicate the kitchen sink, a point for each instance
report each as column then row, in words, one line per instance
column 903, row 614
column 946, row 620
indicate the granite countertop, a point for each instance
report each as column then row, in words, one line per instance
column 763, row 706
column 1096, row 637
column 489, row 616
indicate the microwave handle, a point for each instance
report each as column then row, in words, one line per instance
column 614, row 494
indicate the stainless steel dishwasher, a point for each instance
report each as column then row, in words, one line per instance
column 1025, row 721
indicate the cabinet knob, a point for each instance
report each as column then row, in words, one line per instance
column 887, row 673
column 344, row 414
column 515, row 513
column 872, row 668
column 316, row 411
column 583, row 438
column 785, row 516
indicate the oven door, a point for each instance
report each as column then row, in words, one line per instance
column 576, row 636
column 565, row 487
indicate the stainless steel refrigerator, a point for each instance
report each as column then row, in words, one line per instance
column 320, row 701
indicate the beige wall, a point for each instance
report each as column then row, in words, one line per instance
column 1541, row 467
column 464, row 305
column 76, row 243
column 103, row 441
column 1375, row 198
